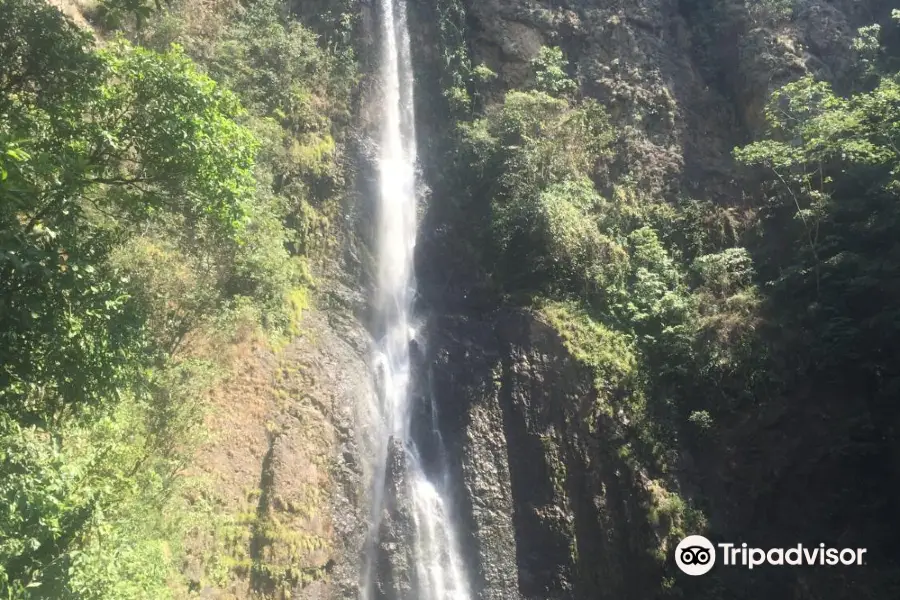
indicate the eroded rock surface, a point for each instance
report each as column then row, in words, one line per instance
column 395, row 561
column 550, row 505
column 688, row 79
column 552, row 511
column 286, row 471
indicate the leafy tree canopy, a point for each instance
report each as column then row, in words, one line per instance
column 94, row 145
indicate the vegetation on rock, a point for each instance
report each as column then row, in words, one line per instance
column 695, row 319
column 150, row 193
column 176, row 175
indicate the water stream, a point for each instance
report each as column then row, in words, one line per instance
column 437, row 571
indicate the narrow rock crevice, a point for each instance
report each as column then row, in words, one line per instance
column 260, row 580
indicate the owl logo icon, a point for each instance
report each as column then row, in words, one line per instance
column 695, row 555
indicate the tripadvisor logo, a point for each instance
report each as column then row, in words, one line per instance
column 696, row 555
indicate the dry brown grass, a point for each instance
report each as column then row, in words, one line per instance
column 75, row 10
column 264, row 470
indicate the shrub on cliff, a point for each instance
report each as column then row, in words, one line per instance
column 612, row 272
column 833, row 171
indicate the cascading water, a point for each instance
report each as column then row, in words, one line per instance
column 435, row 570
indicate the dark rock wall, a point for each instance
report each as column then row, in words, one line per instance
column 551, row 510
column 395, row 567
column 548, row 507
column 687, row 78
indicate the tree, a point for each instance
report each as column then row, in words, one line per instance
column 95, row 145
column 550, row 73
column 534, row 152
column 834, row 168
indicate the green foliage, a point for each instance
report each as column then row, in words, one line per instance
column 85, row 503
column 151, row 141
column 834, row 169
column 658, row 301
column 726, row 271
column 44, row 50
column 534, row 151
column 579, row 252
column 299, row 94
column 702, row 419
column 626, row 259
column 483, row 74
column 181, row 129
column 275, row 65
column 139, row 202
column 459, row 80
column 611, row 356
column 674, row 517
column 550, row 73
column 770, row 11
column 694, row 227
column 868, row 45
column 116, row 13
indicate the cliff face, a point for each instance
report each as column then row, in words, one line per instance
column 551, row 502
column 551, row 510
column 286, row 471
column 685, row 82
column 551, row 507
column 687, row 78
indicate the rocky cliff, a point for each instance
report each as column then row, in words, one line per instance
column 552, row 505
column 552, row 509
column 553, row 498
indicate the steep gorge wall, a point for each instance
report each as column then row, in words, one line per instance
column 552, row 508
column 684, row 80
column 687, row 78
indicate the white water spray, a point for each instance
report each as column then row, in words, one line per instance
column 438, row 569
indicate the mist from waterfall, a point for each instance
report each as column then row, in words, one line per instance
column 435, row 567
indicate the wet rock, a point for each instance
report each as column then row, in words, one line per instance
column 486, row 479
column 684, row 80
column 549, row 510
column 394, row 560
column 318, row 492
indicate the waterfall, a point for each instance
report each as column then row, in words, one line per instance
column 433, row 566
